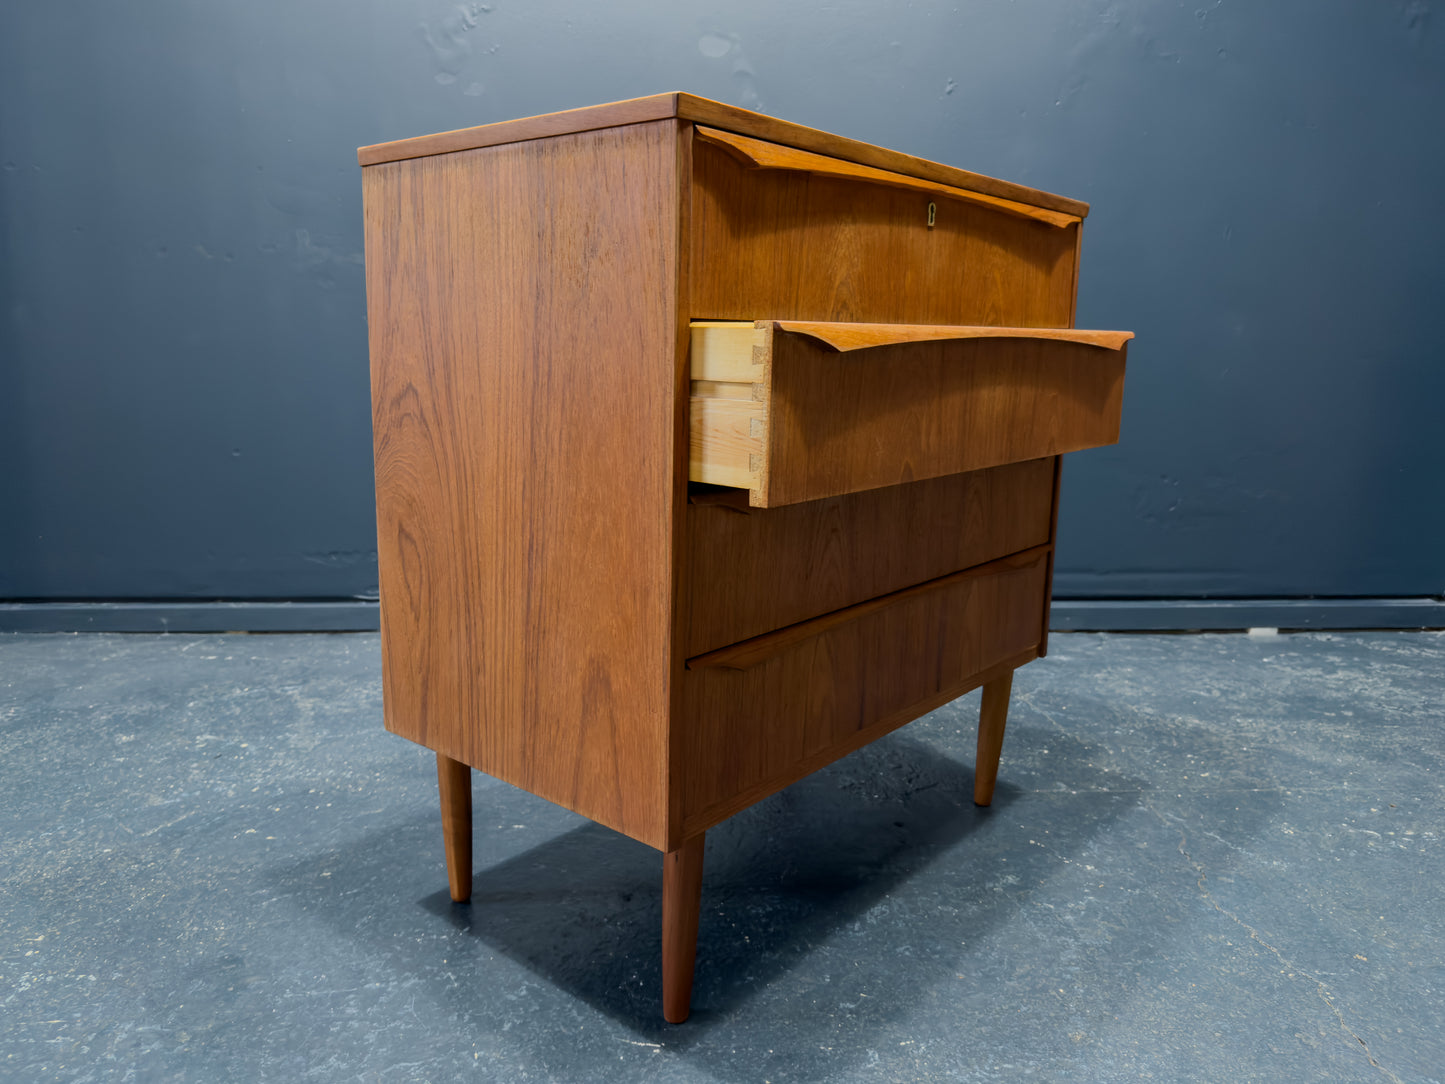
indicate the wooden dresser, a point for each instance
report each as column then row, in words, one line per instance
column 709, row 448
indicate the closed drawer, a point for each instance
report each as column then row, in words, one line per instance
column 752, row 571
column 762, row 713
column 797, row 235
column 797, row 411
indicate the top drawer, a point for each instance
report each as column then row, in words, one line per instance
column 802, row 236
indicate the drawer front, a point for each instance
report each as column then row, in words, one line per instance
column 758, row 715
column 752, row 571
column 801, row 411
column 805, row 237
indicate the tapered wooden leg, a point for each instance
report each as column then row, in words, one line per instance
column 681, row 899
column 454, row 780
column 991, row 719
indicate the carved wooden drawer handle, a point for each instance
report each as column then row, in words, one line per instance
column 845, row 337
column 757, row 154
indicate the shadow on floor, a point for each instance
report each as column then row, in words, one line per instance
column 806, row 881
column 584, row 910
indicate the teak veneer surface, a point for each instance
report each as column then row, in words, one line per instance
column 454, row 784
column 690, row 107
column 786, row 245
column 761, row 154
column 751, row 573
column 525, row 463
column 814, row 698
column 849, row 337
column 845, row 422
column 760, row 649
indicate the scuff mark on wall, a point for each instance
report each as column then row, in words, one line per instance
column 714, row 45
column 322, row 261
column 718, row 46
column 1417, row 20
column 341, row 558
column 310, row 255
column 451, row 45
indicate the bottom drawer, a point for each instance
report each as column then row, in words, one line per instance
column 762, row 713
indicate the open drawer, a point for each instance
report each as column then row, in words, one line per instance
column 795, row 411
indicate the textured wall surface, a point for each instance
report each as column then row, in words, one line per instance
column 184, row 402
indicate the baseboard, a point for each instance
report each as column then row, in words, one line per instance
column 340, row 615
column 1205, row 615
column 1068, row 615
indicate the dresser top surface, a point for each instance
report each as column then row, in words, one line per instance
column 690, row 107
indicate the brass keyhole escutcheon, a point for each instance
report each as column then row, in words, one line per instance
column 932, row 214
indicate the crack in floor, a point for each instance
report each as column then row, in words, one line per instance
column 1291, row 968
column 1320, row 988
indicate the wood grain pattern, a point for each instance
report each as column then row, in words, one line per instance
column 524, row 535
column 1053, row 554
column 848, row 337
column 681, row 901
column 725, row 442
column 1059, row 461
column 992, row 717
column 677, row 522
column 759, row 649
column 760, row 154
column 734, row 119
column 749, row 732
column 749, row 795
column 843, row 423
column 779, row 245
column 734, row 351
column 727, row 411
column 750, row 574
column 454, row 783
column 691, row 107
column 773, row 411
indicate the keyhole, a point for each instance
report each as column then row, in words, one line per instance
column 932, row 214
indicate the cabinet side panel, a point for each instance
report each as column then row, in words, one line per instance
column 521, row 304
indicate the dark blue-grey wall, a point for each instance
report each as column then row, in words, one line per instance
column 183, row 387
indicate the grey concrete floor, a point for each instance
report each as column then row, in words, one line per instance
column 1210, row 858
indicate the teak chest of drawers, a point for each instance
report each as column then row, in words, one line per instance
column 709, row 448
